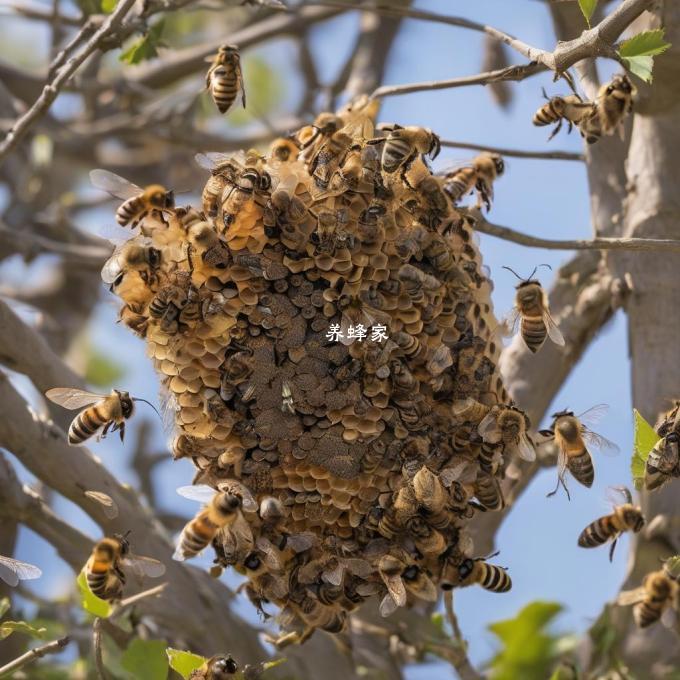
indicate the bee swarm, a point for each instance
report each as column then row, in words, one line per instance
column 357, row 439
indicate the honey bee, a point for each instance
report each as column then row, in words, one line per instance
column 659, row 592
column 12, row 571
column 477, row 570
column 109, row 411
column 137, row 202
column 469, row 410
column 176, row 304
column 479, row 175
column 212, row 251
column 104, row 569
column 330, row 155
column 626, row 517
column 488, row 491
column 218, row 667
column 317, row 615
column 390, row 569
column 222, row 511
column 402, row 145
column 419, row 584
column 311, row 136
column 663, row 461
column 131, row 257
column 571, row 433
column 224, row 79
column 239, row 192
column 508, row 425
column 287, row 405
column 431, row 497
column 532, row 312
column 614, row 103
column 570, row 108
column 284, row 149
column 223, row 171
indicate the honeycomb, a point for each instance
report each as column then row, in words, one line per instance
column 254, row 315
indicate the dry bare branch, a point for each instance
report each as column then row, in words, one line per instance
column 53, row 647
column 516, row 153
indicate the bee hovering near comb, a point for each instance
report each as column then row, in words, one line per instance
column 108, row 411
column 532, row 312
column 12, row 571
column 626, row 517
column 137, row 202
column 224, row 79
column 570, row 434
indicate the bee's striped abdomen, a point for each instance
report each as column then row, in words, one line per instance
column 84, row 425
column 395, row 152
column 129, row 210
column 494, row 578
column 224, row 86
column 598, row 532
column 647, row 612
column 196, row 536
column 488, row 492
column 460, row 183
column 581, row 468
column 533, row 332
column 546, row 115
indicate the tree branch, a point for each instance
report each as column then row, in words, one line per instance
column 97, row 646
column 516, row 153
column 54, row 85
column 598, row 243
column 31, row 655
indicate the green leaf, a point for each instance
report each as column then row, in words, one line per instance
column 146, row 659
column 587, row 8
column 9, row 627
column 256, row 670
column 637, row 52
column 645, row 438
column 672, row 564
column 146, row 47
column 109, row 5
column 184, row 662
column 528, row 650
column 90, row 602
column 4, row 606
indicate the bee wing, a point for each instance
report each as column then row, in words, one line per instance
column 249, row 503
column 487, row 428
column 241, row 84
column 12, row 571
column 144, row 566
column 334, row 575
column 107, row 503
column 72, row 398
column 461, row 406
column 202, row 493
column 554, row 332
column 357, row 566
column 525, row 448
column 562, row 460
column 388, row 606
column 212, row 159
column 616, row 495
column 593, row 415
column 168, row 408
column 112, row 268
column 510, row 323
column 608, row 448
column 669, row 618
column 301, row 542
column 114, row 184
column 345, row 323
column 464, row 472
column 634, row 596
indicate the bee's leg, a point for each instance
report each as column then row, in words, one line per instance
column 611, row 550
column 554, row 491
column 105, row 430
column 558, row 127
column 121, row 428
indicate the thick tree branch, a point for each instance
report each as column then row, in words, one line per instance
column 53, row 87
column 53, row 647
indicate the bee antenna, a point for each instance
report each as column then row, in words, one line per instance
column 513, row 271
column 488, row 557
column 150, row 404
column 545, row 96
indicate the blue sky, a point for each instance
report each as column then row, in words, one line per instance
column 547, row 198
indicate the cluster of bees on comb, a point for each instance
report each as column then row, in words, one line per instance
column 323, row 330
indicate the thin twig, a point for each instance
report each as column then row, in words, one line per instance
column 52, row 88
column 457, row 657
column 31, row 655
column 97, row 644
column 156, row 590
column 516, row 153
column 598, row 243
column 451, row 615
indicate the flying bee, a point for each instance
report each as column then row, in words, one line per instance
column 12, row 571
column 476, row 570
column 570, row 434
column 144, row 259
column 626, row 517
column 218, row 667
column 663, row 461
column 137, row 202
column 479, row 175
column 284, row 149
column 614, row 103
column 532, row 311
column 570, row 108
column 108, row 411
column 104, row 569
column 508, row 425
column 402, row 145
column 222, row 511
column 224, row 79
column 659, row 593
